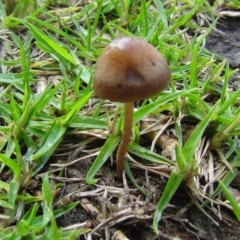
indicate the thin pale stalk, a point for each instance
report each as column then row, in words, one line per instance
column 126, row 136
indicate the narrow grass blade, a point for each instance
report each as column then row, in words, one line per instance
column 185, row 17
column 146, row 154
column 182, row 164
column 65, row 209
column 75, row 108
column 151, row 107
column 4, row 185
column 55, row 233
column 48, row 45
column 227, row 179
column 59, row 32
column 85, row 122
column 15, row 111
column 31, row 213
column 47, row 191
column 229, row 102
column 192, row 142
column 5, row 204
column 57, row 213
column 12, row 195
column 55, row 134
column 144, row 14
column 231, row 199
column 41, row 163
column 129, row 173
column 174, row 181
column 161, row 12
column 50, row 143
column 104, row 154
column 11, row 164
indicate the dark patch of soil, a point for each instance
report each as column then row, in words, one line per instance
column 226, row 41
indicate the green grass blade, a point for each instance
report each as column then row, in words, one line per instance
column 75, row 108
column 229, row 102
column 55, row 135
column 227, row 179
column 192, row 142
column 147, row 154
column 143, row 111
column 5, row 204
column 11, row 164
column 174, row 181
column 145, row 17
column 48, row 44
column 231, row 199
column 104, row 154
column 31, row 213
column 185, row 17
column 12, row 195
column 58, row 31
column 37, row 221
column 55, row 233
column 85, row 122
column 47, row 191
column 161, row 12
column 129, row 174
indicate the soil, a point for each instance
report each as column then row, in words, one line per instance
column 182, row 219
column 226, row 43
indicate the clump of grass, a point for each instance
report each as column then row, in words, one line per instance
column 37, row 115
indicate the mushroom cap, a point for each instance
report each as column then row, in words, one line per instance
column 130, row 69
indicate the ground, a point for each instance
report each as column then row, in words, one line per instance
column 226, row 43
column 182, row 219
column 116, row 210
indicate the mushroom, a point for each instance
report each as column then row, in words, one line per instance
column 129, row 69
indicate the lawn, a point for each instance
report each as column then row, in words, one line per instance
column 58, row 140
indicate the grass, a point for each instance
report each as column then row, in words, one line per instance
column 49, row 51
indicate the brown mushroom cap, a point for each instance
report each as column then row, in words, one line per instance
column 130, row 69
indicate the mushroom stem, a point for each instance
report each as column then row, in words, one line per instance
column 126, row 136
